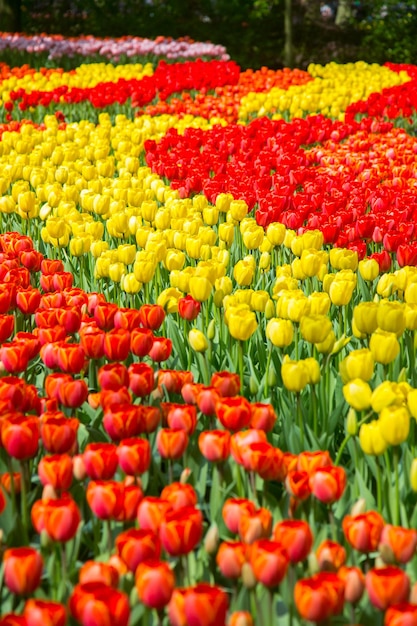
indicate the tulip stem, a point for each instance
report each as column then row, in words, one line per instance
column 378, row 485
column 240, row 353
column 300, row 420
column 24, row 501
column 12, row 486
column 268, row 365
column 396, row 515
column 271, row 607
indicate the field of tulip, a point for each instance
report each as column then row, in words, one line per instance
column 208, row 316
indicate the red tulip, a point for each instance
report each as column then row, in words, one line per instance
column 98, row 604
column 113, row 376
column 330, row 555
column 327, row 484
column 232, row 511
column 256, row 525
column 171, row 444
column 227, row 384
column 58, row 432
column 45, row 613
column 141, row 341
column 205, row 605
column 214, row 445
column 296, row 537
column 387, row 586
column 230, row 558
column 269, row 561
column 22, row 570
column 151, row 512
column 180, row 531
column 98, row 572
column 134, row 455
column 319, row 597
column 155, row 583
column 403, row 614
column 179, row 495
column 56, row 470
column 117, row 344
column 141, row 379
column 61, row 518
column 100, row 460
column 20, row 436
column 137, row 545
column 105, row 498
column 151, row 316
column 363, row 531
column 161, row 349
column 234, row 413
column 401, row 541
column 188, row 308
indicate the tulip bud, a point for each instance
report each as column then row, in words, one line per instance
column 49, row 493
column 413, row 594
column 253, row 385
column 248, row 577
column 185, row 475
column 359, row 507
column 78, row 467
column 351, row 423
column 211, row 540
column 386, row 553
column 313, row 564
column 198, row 340
column 379, row 562
column 211, row 330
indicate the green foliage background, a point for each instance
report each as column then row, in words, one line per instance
column 251, row 30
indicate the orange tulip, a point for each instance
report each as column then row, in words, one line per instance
column 387, row 586
column 296, row 538
column 181, row 530
column 363, row 531
column 319, row 597
column 269, row 561
column 22, row 570
column 155, row 583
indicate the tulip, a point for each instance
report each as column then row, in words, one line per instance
column 255, row 525
column 179, row 495
column 384, row 346
column 98, row 572
column 358, row 364
column 269, row 562
column 171, row 444
column 354, row 581
column 205, row 605
column 330, row 556
column 151, row 512
column 232, row 511
column 45, row 613
column 230, row 558
column 134, row 455
column 387, row 586
column 394, row 424
column 403, row 614
column 233, row 413
column 402, row 542
column 319, row 597
column 296, row 538
column 97, row 603
column 100, row 460
column 181, row 530
column 363, row 531
column 371, row 439
column 56, row 470
column 280, row 332
column 137, row 545
column 214, row 445
column 198, row 340
column 295, row 374
column 155, row 583
column 315, row 328
column 61, row 518
column 22, row 570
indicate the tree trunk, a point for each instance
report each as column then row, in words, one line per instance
column 311, row 10
column 344, row 13
column 288, row 48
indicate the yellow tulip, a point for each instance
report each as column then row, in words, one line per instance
column 371, row 439
column 357, row 394
column 394, row 424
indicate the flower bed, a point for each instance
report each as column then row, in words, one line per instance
column 208, row 298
